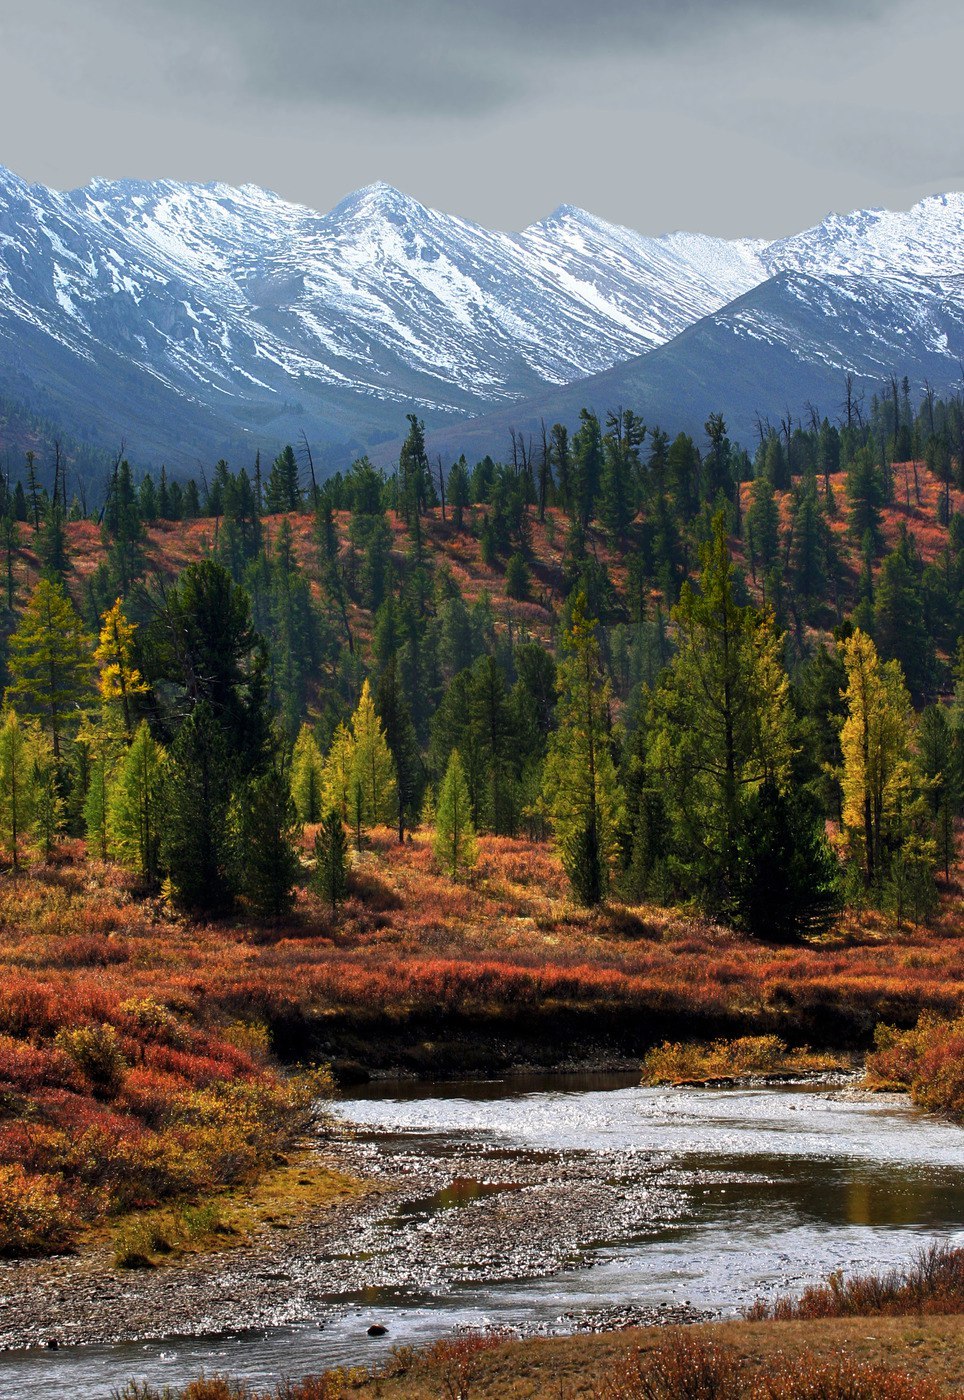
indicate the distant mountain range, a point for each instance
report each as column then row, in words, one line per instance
column 195, row 321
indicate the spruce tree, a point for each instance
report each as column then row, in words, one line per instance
column 195, row 841
column 267, row 823
column 455, row 845
column 330, row 877
column 396, row 718
column 580, row 789
column 283, row 492
column 719, row 725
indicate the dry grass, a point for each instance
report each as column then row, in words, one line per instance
column 894, row 1359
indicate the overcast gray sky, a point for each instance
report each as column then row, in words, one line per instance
column 726, row 116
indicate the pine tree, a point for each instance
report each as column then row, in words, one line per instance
column 458, row 492
column 587, row 457
column 900, row 627
column 865, row 492
column 135, row 811
column 283, row 492
column 267, row 824
column 455, row 845
column 17, row 787
column 195, row 842
column 307, row 781
column 719, row 725
column 516, row 578
column 763, row 525
column 52, row 552
column 580, row 789
column 330, row 877
column 50, row 660
column 372, row 765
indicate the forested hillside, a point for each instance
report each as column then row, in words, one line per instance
column 622, row 736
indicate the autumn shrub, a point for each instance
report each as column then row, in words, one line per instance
column 932, row 1283
column 687, row 1368
column 928, row 1060
column 746, row 1056
column 95, row 1050
column 33, row 1215
column 808, row 1379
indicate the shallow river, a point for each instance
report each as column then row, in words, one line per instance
column 537, row 1202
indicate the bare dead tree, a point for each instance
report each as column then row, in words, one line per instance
column 311, row 468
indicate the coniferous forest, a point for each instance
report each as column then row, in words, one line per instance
column 621, row 741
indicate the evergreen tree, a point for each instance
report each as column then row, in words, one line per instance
column 330, row 876
column 267, row 826
column 516, row 578
column 587, row 460
column 195, row 841
column 52, row 552
column 786, row 882
column 900, row 629
column 455, row 845
column 810, row 547
column 458, row 492
column 123, row 532
column 50, row 661
column 135, row 811
column 865, row 493
column 202, row 645
column 283, row 492
column 719, row 725
column 17, row 783
column 580, row 790
column 763, row 525
column 396, row 719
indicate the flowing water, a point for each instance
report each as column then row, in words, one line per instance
column 538, row 1202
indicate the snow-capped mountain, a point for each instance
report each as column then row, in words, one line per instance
column 192, row 319
column 786, row 345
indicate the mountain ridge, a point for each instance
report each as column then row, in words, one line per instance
column 195, row 319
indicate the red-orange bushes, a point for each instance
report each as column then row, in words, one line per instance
column 932, row 1284
column 928, row 1060
column 26, row 1068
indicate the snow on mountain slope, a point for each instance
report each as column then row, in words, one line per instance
column 779, row 347
column 139, row 298
column 925, row 241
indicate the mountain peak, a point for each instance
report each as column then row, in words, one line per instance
column 378, row 200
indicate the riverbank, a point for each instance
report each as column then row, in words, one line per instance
column 546, row 1205
column 927, row 1349
column 145, row 1060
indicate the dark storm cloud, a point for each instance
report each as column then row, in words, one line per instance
column 428, row 57
column 730, row 116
